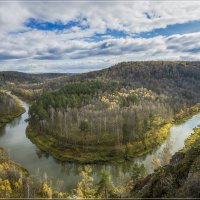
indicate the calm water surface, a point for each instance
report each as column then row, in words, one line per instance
column 66, row 175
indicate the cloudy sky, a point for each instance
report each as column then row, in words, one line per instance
column 84, row 36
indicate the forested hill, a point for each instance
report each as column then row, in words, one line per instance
column 19, row 77
column 179, row 80
column 121, row 108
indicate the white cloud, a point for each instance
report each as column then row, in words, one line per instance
column 49, row 52
column 128, row 16
column 25, row 49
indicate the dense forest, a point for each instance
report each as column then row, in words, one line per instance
column 178, row 80
column 113, row 114
column 95, row 115
column 118, row 112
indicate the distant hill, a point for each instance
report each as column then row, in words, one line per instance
column 123, row 108
column 20, row 77
column 178, row 80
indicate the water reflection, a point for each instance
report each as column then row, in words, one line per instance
column 2, row 131
column 65, row 175
column 15, row 122
column 176, row 138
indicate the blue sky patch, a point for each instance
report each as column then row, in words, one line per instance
column 109, row 32
column 54, row 26
column 189, row 27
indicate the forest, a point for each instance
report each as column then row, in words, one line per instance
column 115, row 113
column 98, row 116
column 16, row 182
column 112, row 115
column 179, row 80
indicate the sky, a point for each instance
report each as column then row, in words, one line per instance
column 83, row 36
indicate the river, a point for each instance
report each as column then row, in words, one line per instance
column 66, row 175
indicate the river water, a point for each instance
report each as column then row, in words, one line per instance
column 66, row 175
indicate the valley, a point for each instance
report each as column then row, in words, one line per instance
column 132, row 117
column 99, row 99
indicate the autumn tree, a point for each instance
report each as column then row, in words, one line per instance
column 85, row 188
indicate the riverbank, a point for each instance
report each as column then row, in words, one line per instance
column 6, row 118
column 179, row 179
column 186, row 113
column 12, row 176
column 102, row 154
column 32, row 158
column 99, row 154
column 5, row 161
column 16, row 182
column 87, row 155
column 154, row 139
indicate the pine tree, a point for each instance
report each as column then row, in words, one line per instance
column 104, row 186
column 138, row 172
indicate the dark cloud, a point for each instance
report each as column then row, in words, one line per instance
column 8, row 56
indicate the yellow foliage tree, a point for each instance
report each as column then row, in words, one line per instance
column 85, row 188
column 5, row 188
column 47, row 190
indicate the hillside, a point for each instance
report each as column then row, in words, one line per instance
column 178, row 80
column 115, row 113
column 26, row 85
column 13, row 77
column 179, row 179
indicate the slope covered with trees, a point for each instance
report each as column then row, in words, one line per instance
column 100, row 117
column 177, row 80
column 20, row 77
column 10, row 108
column 115, row 113
column 26, row 85
column 15, row 182
column 179, row 179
